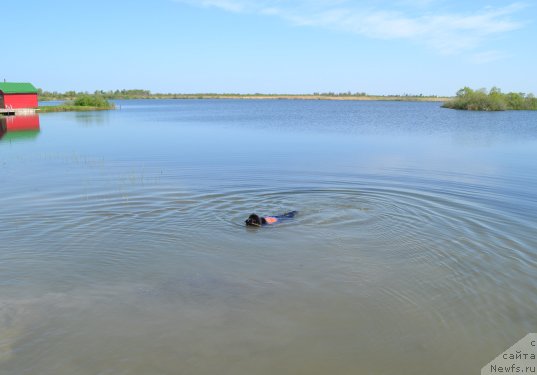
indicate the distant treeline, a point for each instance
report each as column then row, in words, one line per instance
column 146, row 94
column 72, row 95
column 493, row 100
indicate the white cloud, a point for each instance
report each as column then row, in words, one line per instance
column 487, row 56
column 414, row 20
column 229, row 5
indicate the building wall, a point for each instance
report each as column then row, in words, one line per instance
column 20, row 101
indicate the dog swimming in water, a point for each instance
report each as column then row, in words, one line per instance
column 258, row 221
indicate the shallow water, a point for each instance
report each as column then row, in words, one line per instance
column 124, row 252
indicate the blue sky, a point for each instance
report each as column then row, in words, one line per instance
column 271, row 46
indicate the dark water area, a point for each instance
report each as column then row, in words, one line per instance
column 124, row 249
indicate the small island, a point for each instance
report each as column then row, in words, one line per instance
column 84, row 102
column 493, row 100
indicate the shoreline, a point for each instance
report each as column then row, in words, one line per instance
column 54, row 109
column 276, row 97
column 317, row 97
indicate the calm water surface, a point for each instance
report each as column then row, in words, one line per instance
column 124, row 252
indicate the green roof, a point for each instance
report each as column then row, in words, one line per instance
column 17, row 88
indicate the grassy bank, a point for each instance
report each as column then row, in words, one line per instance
column 493, row 100
column 69, row 108
column 80, row 103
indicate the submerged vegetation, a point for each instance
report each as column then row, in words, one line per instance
column 494, row 100
column 83, row 102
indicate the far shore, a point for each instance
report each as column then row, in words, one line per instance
column 312, row 97
column 398, row 98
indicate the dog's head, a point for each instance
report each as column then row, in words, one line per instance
column 253, row 220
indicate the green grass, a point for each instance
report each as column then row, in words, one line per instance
column 69, row 108
column 494, row 100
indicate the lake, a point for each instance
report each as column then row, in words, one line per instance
column 124, row 249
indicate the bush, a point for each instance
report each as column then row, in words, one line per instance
column 97, row 101
column 494, row 100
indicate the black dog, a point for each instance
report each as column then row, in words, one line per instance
column 257, row 221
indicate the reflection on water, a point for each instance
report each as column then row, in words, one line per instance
column 13, row 128
column 124, row 250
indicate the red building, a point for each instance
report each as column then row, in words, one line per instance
column 14, row 95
